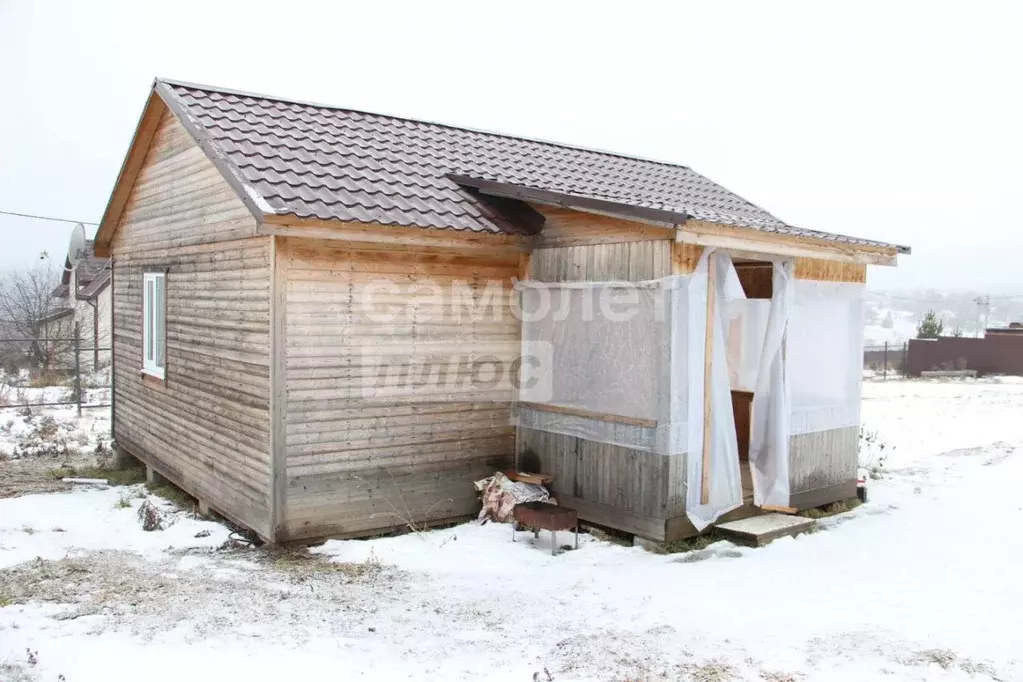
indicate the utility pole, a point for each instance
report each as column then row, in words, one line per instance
column 983, row 311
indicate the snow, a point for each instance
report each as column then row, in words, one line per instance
column 903, row 328
column 921, row 583
column 60, row 525
column 257, row 198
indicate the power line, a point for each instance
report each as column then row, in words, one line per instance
column 46, row 217
column 942, row 300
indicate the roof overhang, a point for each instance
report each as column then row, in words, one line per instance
column 795, row 242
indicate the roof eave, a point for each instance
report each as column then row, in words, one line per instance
column 841, row 247
column 659, row 217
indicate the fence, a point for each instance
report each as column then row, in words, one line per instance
column 32, row 369
column 991, row 354
column 887, row 358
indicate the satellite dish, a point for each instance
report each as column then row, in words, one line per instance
column 76, row 250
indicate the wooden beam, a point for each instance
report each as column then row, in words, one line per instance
column 394, row 236
column 684, row 258
column 755, row 242
column 708, row 360
column 278, row 395
column 588, row 414
column 778, row 509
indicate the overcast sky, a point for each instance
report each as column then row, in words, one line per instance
column 886, row 120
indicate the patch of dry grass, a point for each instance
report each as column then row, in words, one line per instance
column 298, row 561
column 711, row 671
column 171, row 492
column 833, row 509
column 110, row 474
column 695, row 543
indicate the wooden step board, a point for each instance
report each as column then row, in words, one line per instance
column 757, row 531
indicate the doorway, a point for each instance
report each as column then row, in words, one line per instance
column 757, row 280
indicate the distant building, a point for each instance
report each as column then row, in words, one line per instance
column 999, row 351
column 1014, row 329
column 85, row 292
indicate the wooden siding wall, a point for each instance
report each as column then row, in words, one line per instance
column 357, row 465
column 757, row 280
column 565, row 227
column 632, row 490
column 620, row 261
column 627, row 489
column 206, row 428
column 821, row 462
column 830, row 271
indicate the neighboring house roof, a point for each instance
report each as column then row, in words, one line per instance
column 313, row 161
column 56, row 315
column 93, row 274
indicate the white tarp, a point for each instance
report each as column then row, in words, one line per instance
column 598, row 348
column 825, row 355
column 747, row 329
column 724, row 491
column 769, row 442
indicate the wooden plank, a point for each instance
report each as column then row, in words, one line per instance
column 708, row 357
column 612, row 517
column 589, row 414
column 394, row 236
column 830, row 271
column 778, row 509
column 704, row 233
column 278, row 396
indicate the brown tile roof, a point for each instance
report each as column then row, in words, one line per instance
column 316, row 161
column 93, row 274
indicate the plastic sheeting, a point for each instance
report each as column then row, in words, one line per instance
column 617, row 349
column 607, row 346
column 747, row 329
column 603, row 341
column 825, row 355
column 769, row 441
column 725, row 482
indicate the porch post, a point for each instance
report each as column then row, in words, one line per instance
column 708, row 357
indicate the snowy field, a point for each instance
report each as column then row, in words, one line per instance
column 921, row 583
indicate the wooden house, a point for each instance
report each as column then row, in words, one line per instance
column 279, row 266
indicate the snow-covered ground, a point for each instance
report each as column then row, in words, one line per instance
column 921, row 583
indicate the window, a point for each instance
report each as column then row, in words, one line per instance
column 154, row 332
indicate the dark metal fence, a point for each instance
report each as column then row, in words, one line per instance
column 30, row 366
column 885, row 359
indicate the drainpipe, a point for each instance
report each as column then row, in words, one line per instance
column 94, row 304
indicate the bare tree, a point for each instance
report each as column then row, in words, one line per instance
column 28, row 311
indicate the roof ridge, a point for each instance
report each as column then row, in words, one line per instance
column 452, row 126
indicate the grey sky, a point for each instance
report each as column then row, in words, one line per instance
column 895, row 121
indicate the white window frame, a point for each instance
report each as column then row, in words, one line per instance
column 152, row 311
